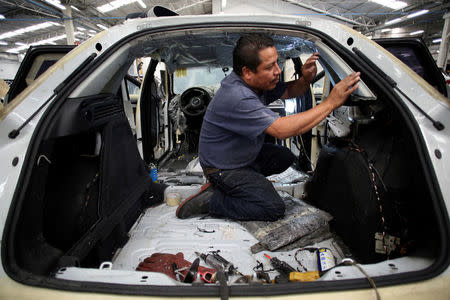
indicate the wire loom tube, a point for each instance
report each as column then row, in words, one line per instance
column 349, row 261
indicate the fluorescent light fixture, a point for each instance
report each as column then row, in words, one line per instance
column 26, row 29
column 81, row 28
column 93, row 31
column 3, row 43
column 142, row 4
column 417, row 13
column 56, row 3
column 391, row 4
column 20, row 43
column 437, row 41
column 397, row 30
column 102, row 26
column 118, row 3
column 385, row 30
column 90, row 34
column 416, row 32
column 2, row 16
column 393, row 21
column 41, row 42
column 49, row 40
column 73, row 7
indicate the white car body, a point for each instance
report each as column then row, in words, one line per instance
column 14, row 151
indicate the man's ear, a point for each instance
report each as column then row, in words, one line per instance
column 247, row 74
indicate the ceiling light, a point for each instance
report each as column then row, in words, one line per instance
column 118, row 3
column 56, row 3
column 416, row 32
column 41, row 42
column 90, row 34
column 391, row 4
column 2, row 16
column 26, row 29
column 93, row 31
column 393, row 21
column 397, row 30
column 81, row 28
column 49, row 40
column 385, row 30
column 141, row 3
column 73, row 7
column 20, row 43
column 102, row 26
column 437, row 41
column 3, row 43
column 417, row 13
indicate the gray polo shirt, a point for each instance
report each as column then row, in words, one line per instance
column 232, row 133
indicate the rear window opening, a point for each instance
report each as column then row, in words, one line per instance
column 92, row 213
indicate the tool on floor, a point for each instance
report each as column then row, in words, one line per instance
column 191, row 273
column 289, row 274
column 303, row 276
column 282, row 267
column 260, row 273
column 219, row 263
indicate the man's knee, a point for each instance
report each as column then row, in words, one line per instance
column 274, row 214
column 269, row 211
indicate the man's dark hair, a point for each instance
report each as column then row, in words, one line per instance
column 245, row 54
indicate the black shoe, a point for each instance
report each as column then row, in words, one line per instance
column 197, row 204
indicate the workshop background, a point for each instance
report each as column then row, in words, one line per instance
column 39, row 22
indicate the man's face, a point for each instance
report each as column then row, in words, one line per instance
column 267, row 73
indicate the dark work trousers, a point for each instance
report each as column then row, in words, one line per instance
column 245, row 193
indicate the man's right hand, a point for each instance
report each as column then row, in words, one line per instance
column 343, row 89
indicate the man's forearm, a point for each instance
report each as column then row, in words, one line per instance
column 292, row 125
column 299, row 123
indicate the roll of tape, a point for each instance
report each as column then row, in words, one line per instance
column 173, row 199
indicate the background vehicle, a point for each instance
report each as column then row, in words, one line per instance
column 414, row 53
column 82, row 213
column 36, row 61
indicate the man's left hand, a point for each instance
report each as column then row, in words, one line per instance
column 309, row 68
